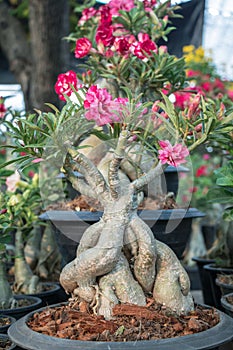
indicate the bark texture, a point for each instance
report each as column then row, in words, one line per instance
column 118, row 259
column 37, row 57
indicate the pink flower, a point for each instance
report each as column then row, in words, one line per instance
column 12, row 181
column 100, row 106
column 193, row 189
column 218, row 84
column 3, row 211
column 87, row 14
column 163, row 49
column 173, row 155
column 122, row 45
column 104, row 35
column 31, row 173
column 116, row 5
column 149, row 4
column 143, row 48
column 230, row 94
column 106, row 16
column 192, row 73
column 206, row 156
column 182, row 99
column 64, row 82
column 194, row 107
column 82, row 48
column 202, row 171
column 37, row 160
column 207, row 86
column 2, row 107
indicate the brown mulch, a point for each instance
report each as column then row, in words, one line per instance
column 226, row 279
column 230, row 299
column 130, row 322
column 84, row 203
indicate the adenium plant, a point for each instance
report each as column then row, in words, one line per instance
column 124, row 99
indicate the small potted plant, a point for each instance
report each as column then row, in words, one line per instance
column 11, row 305
column 21, row 202
column 222, row 250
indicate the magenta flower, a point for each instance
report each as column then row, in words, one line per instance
column 172, row 155
column 2, row 107
column 87, row 14
column 82, row 48
column 122, row 45
column 100, row 106
column 144, row 46
column 64, row 82
column 104, row 35
column 116, row 5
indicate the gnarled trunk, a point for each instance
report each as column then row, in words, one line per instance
column 118, row 259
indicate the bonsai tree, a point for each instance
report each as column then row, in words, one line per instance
column 118, row 259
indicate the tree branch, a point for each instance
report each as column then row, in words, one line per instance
column 113, row 175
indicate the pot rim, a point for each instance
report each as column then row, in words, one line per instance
column 225, row 303
column 164, row 214
column 37, row 301
column 220, row 334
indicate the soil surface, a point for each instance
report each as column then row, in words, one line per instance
column 84, row 203
column 230, row 299
column 130, row 322
column 5, row 344
column 226, row 279
column 4, row 321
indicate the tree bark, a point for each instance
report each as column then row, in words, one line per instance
column 49, row 24
column 16, row 47
column 37, row 58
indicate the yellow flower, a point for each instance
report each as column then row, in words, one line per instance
column 188, row 48
column 200, row 52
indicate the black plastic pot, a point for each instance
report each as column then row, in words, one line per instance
column 194, row 277
column 3, row 329
column 209, row 235
column 170, row 180
column 3, row 339
column 172, row 226
column 225, row 288
column 220, row 334
column 205, row 280
column 228, row 307
column 19, row 312
column 213, row 271
column 49, row 296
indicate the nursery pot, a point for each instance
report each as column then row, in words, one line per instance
column 227, row 306
column 170, row 180
column 193, row 273
column 171, row 226
column 4, row 338
column 205, row 280
column 10, row 320
column 213, row 270
column 51, row 294
column 19, row 312
column 220, row 334
column 225, row 288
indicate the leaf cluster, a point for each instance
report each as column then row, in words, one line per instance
column 223, row 191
